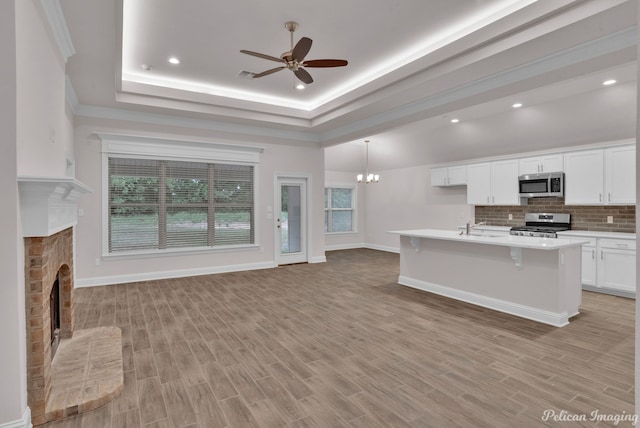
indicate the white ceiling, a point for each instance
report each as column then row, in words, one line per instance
column 410, row 62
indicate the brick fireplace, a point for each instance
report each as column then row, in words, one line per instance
column 46, row 258
column 86, row 370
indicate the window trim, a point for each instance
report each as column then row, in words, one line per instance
column 353, row 209
column 137, row 147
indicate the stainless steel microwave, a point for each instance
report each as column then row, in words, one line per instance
column 541, row 185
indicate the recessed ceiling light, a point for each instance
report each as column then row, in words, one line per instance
column 299, row 86
column 174, row 60
column 455, row 120
column 517, row 105
column 609, row 82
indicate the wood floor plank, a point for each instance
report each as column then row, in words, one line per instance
column 281, row 398
column 144, row 363
column 342, row 344
column 179, row 408
column 244, row 384
column 237, row 413
column 152, row 407
column 218, row 381
column 206, row 407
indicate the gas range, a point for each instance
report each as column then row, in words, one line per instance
column 542, row 225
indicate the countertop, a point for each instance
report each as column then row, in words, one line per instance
column 485, row 227
column 501, row 240
column 592, row 234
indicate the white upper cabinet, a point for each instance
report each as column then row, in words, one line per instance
column 449, row 176
column 584, row 177
column 493, row 183
column 601, row 177
column 539, row 164
column 620, row 175
column 479, row 184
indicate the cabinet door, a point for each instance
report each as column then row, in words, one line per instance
column 551, row 163
column 457, row 175
column 584, row 177
column 617, row 269
column 479, row 184
column 529, row 166
column 439, row 176
column 504, row 183
column 620, row 169
column 589, row 265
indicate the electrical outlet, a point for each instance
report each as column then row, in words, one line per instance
column 98, row 262
column 609, row 219
column 510, row 216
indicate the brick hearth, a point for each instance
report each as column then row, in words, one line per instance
column 87, row 369
column 45, row 257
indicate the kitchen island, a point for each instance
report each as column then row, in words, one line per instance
column 534, row 278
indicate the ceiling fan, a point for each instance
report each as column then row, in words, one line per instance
column 294, row 59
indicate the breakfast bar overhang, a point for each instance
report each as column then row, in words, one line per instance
column 533, row 278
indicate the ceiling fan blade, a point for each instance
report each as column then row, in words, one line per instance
column 268, row 72
column 303, row 75
column 325, row 63
column 302, row 49
column 260, row 55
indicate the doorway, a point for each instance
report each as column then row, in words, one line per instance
column 291, row 220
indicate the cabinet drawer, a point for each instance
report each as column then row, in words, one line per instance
column 618, row 244
column 592, row 241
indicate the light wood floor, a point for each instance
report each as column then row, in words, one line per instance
column 340, row 344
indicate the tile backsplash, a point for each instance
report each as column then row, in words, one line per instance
column 583, row 217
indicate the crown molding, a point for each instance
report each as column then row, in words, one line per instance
column 57, row 23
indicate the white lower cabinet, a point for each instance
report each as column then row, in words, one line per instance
column 589, row 263
column 609, row 265
column 617, row 265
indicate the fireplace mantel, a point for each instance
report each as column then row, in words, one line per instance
column 49, row 204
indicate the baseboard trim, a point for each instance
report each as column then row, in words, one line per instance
column 383, row 248
column 152, row 276
column 318, row 259
column 362, row 245
column 611, row 291
column 344, row 246
column 546, row 317
column 25, row 422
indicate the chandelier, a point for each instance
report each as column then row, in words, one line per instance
column 367, row 177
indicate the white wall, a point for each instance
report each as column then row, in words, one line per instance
column 45, row 127
column 404, row 199
column 36, row 136
column 276, row 158
column 13, row 395
column 348, row 240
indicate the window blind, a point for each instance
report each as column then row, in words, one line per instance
column 338, row 209
column 158, row 204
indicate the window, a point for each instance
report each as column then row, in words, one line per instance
column 164, row 204
column 338, row 209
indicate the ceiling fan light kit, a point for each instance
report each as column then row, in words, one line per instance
column 294, row 58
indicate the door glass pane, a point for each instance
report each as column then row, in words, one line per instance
column 290, row 220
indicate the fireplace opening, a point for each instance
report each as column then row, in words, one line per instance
column 54, row 310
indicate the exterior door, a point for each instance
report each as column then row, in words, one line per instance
column 291, row 220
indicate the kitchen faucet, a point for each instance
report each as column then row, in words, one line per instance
column 471, row 226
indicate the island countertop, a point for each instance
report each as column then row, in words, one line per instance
column 500, row 240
